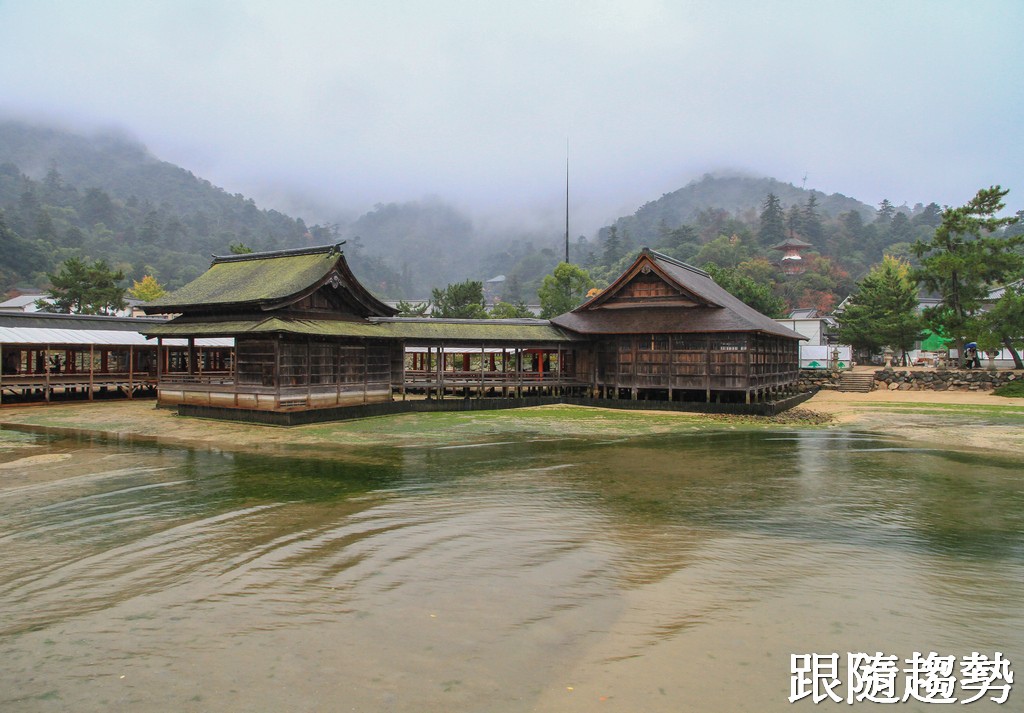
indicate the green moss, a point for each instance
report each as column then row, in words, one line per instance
column 254, row 280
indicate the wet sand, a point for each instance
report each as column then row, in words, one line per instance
column 972, row 420
column 950, row 418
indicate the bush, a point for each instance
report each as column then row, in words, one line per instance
column 1015, row 389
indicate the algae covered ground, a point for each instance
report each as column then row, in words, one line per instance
column 973, row 421
column 140, row 420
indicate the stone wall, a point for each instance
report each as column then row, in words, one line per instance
column 923, row 380
column 944, row 380
column 813, row 379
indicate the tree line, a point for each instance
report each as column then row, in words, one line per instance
column 973, row 262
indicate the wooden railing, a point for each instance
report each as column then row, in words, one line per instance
column 221, row 378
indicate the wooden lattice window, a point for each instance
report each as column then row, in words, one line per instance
column 645, row 286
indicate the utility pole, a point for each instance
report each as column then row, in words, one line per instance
column 567, row 199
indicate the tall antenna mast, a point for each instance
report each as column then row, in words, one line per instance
column 567, row 199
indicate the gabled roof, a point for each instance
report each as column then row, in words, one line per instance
column 270, row 280
column 792, row 243
column 716, row 310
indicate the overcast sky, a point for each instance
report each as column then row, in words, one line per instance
column 357, row 102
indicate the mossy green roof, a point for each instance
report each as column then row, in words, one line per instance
column 423, row 330
column 482, row 330
column 236, row 282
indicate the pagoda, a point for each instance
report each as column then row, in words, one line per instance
column 792, row 262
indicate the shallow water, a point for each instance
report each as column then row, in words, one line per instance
column 655, row 574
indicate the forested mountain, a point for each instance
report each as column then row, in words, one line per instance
column 733, row 223
column 106, row 197
column 735, row 195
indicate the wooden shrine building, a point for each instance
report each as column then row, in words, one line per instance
column 666, row 330
column 308, row 336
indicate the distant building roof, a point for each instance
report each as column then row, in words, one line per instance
column 75, row 329
column 996, row 292
column 699, row 305
column 22, row 303
column 792, row 243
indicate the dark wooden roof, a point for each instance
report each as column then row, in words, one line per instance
column 271, row 280
column 695, row 304
column 50, row 320
column 791, row 243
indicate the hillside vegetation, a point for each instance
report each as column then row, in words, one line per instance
column 106, row 197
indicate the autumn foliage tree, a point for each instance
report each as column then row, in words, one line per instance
column 147, row 289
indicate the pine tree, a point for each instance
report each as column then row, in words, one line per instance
column 81, row 288
column 612, row 247
column 963, row 258
column 886, row 211
column 813, row 230
column 773, row 222
column 883, row 311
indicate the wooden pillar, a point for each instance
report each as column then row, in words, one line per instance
column 518, row 359
column 402, row 372
column 3, row 366
column 366, row 371
column 636, row 360
column 336, row 372
column 46, row 370
column 309, row 373
column 131, row 371
column 483, row 358
column 442, row 359
column 191, row 355
column 671, row 364
column 558, row 369
column 707, row 366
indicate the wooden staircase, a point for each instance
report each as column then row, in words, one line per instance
column 861, row 382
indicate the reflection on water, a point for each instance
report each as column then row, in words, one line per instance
column 664, row 573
